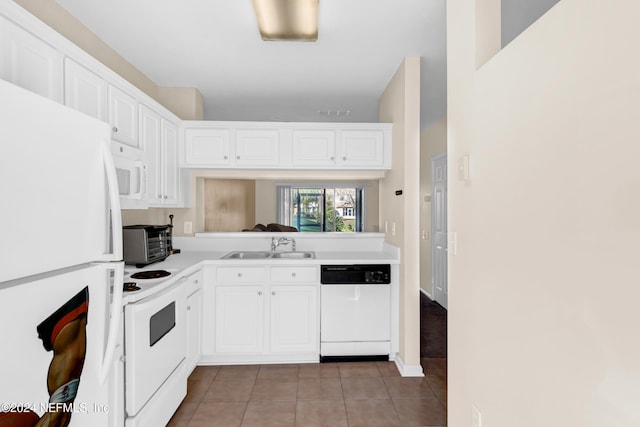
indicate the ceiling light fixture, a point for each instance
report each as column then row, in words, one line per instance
column 288, row 20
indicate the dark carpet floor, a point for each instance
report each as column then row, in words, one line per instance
column 433, row 328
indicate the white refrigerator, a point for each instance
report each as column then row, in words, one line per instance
column 60, row 256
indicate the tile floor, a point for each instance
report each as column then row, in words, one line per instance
column 359, row 394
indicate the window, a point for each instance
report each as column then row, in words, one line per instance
column 321, row 208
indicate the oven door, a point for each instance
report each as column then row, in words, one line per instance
column 155, row 344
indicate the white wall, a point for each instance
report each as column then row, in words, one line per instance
column 544, row 288
column 400, row 105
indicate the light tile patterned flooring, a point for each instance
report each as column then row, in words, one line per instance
column 360, row 394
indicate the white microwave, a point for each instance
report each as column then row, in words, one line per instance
column 131, row 172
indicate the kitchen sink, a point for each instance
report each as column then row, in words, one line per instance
column 247, row 255
column 267, row 254
column 294, row 255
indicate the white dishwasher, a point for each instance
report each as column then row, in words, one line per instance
column 355, row 312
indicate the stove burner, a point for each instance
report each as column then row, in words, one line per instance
column 150, row 274
column 130, row 286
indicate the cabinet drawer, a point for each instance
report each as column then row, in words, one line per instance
column 241, row 274
column 294, row 274
column 193, row 282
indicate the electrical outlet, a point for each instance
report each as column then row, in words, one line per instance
column 188, row 227
column 476, row 417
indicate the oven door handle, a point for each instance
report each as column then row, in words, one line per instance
column 114, row 319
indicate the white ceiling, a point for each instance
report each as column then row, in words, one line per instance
column 215, row 45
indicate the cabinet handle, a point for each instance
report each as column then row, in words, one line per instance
column 332, row 158
column 226, row 157
column 237, row 157
column 273, row 292
column 166, row 197
column 293, row 274
column 159, row 196
column 259, row 292
column 115, row 129
column 188, row 308
column 344, row 157
column 121, row 150
column 239, row 274
column 195, row 281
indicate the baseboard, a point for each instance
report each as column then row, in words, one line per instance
column 408, row 370
column 427, row 294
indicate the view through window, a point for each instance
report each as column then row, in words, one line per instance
column 322, row 209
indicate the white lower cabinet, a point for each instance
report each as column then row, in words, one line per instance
column 261, row 314
column 239, row 319
column 194, row 320
column 194, row 328
column 293, row 318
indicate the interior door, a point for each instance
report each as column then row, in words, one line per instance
column 439, row 229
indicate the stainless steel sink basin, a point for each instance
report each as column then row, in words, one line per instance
column 266, row 254
column 247, row 255
column 294, row 255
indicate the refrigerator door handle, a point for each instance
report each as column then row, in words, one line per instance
column 114, row 198
column 114, row 319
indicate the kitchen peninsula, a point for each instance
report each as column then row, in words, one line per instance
column 285, row 327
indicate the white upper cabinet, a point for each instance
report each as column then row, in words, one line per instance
column 314, row 147
column 169, row 140
column 150, row 139
column 361, row 148
column 29, row 62
column 84, row 91
column 160, row 139
column 257, row 147
column 123, row 117
column 207, row 146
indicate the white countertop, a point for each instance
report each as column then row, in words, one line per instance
column 187, row 262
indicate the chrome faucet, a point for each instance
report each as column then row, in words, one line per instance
column 282, row 241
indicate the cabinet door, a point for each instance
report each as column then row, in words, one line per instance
column 123, row 116
column 84, row 91
column 169, row 138
column 314, row 148
column 150, row 139
column 239, row 316
column 194, row 329
column 207, row 147
column 361, row 148
column 259, row 147
column 29, row 62
column 294, row 318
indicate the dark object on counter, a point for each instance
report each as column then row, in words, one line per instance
column 273, row 228
column 130, row 287
column 170, row 244
column 170, row 240
column 150, row 274
column 145, row 244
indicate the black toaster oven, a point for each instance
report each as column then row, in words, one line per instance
column 145, row 244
